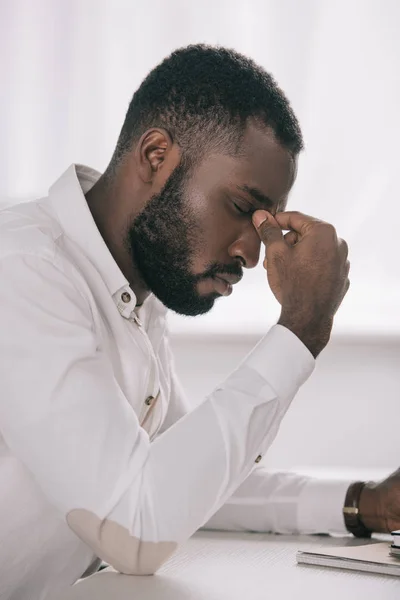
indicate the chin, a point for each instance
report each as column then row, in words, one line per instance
column 193, row 307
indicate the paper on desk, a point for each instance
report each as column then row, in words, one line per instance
column 373, row 558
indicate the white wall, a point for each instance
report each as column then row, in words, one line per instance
column 69, row 69
column 346, row 415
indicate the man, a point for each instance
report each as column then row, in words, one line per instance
column 100, row 456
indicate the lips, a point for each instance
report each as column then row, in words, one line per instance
column 224, row 283
column 230, row 279
column 222, row 287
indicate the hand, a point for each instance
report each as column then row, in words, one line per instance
column 379, row 504
column 307, row 271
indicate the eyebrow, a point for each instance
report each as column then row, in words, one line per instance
column 257, row 196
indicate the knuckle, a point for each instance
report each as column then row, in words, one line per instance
column 328, row 228
column 327, row 234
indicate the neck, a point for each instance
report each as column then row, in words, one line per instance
column 103, row 202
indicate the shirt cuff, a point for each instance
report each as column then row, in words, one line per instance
column 320, row 507
column 283, row 360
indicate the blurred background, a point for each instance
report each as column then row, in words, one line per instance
column 68, row 71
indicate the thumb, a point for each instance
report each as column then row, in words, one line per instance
column 267, row 228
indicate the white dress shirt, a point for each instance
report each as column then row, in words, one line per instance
column 99, row 454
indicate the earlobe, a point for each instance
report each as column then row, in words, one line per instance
column 153, row 149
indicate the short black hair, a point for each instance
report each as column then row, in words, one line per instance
column 204, row 96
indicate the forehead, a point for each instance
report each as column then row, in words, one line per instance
column 262, row 164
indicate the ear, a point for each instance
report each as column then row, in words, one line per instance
column 156, row 152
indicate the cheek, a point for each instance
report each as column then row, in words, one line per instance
column 201, row 259
column 211, row 244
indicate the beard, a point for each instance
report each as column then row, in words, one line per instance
column 163, row 241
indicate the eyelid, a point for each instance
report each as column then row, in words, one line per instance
column 240, row 206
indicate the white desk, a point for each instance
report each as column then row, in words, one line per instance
column 233, row 566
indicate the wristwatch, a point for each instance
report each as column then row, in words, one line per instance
column 351, row 512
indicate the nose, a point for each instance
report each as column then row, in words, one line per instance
column 247, row 248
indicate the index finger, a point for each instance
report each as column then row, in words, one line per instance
column 295, row 221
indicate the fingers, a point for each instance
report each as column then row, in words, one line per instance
column 343, row 248
column 267, row 228
column 291, row 238
column 295, row 221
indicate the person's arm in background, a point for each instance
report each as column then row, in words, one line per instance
column 293, row 503
column 290, row 503
column 271, row 502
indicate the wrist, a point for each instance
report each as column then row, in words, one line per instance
column 352, row 508
column 313, row 332
column 369, row 508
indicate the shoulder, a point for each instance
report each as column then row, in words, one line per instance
column 30, row 241
column 26, row 229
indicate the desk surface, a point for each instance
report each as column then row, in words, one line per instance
column 240, row 566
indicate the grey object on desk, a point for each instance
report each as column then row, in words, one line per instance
column 240, row 566
column 369, row 558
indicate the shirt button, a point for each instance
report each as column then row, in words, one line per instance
column 259, row 457
column 126, row 297
column 149, row 400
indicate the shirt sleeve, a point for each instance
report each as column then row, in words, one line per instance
column 64, row 416
column 284, row 503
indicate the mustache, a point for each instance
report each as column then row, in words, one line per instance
column 216, row 269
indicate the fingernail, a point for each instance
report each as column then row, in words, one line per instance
column 259, row 217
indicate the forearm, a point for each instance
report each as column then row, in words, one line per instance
column 196, row 465
column 283, row 503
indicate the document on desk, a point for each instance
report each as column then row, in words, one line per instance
column 374, row 558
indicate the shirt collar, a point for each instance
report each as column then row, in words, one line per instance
column 67, row 197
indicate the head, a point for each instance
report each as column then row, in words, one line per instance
column 208, row 139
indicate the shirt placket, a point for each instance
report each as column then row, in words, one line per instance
column 153, row 388
column 125, row 306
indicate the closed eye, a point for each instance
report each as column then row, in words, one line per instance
column 242, row 210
